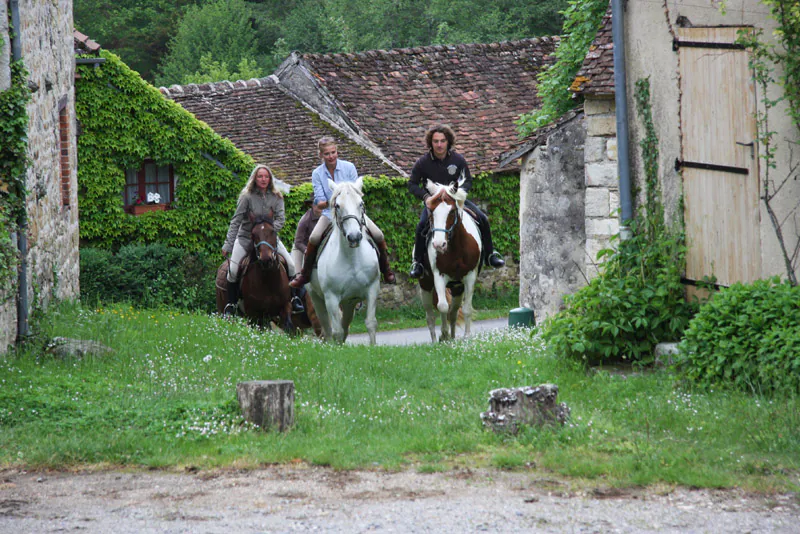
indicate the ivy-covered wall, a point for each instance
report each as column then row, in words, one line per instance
column 124, row 120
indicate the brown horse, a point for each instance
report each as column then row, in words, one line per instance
column 264, row 281
column 453, row 261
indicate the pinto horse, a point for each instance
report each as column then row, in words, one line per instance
column 347, row 266
column 264, row 282
column 453, row 255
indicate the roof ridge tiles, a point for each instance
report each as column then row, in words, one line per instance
column 224, row 86
column 416, row 50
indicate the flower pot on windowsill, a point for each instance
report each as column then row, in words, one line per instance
column 138, row 209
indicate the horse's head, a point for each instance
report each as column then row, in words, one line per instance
column 265, row 240
column 347, row 210
column 448, row 208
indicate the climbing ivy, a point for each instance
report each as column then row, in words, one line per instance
column 13, row 165
column 124, row 120
column 582, row 19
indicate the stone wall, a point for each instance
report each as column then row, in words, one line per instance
column 552, row 219
column 602, row 178
column 52, row 204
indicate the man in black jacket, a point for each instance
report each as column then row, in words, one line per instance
column 442, row 165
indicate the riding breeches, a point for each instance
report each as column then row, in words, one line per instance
column 483, row 227
column 323, row 223
column 239, row 252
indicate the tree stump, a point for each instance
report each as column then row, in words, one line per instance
column 511, row 407
column 267, row 403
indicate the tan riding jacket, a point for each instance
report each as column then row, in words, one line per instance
column 260, row 205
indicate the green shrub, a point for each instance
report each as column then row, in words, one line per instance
column 635, row 302
column 148, row 275
column 747, row 336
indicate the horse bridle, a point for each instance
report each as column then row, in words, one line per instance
column 447, row 231
column 273, row 248
column 340, row 220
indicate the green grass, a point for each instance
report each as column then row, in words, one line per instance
column 166, row 398
column 488, row 303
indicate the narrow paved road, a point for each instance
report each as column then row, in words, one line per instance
column 415, row 336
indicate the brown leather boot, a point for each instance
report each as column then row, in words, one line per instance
column 304, row 276
column 383, row 264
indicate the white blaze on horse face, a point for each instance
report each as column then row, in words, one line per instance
column 440, row 214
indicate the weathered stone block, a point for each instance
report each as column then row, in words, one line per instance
column 65, row 348
column 611, row 149
column 602, row 227
column 598, row 106
column 267, row 403
column 511, row 408
column 602, row 175
column 594, row 149
column 597, row 202
column 665, row 353
column 613, row 201
column 601, row 125
column 593, row 246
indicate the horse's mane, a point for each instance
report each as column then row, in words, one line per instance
column 459, row 196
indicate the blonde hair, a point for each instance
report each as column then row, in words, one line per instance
column 325, row 141
column 251, row 185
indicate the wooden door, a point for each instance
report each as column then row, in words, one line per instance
column 719, row 157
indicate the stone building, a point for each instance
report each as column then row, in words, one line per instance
column 711, row 171
column 50, row 266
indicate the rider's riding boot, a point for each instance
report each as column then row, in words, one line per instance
column 297, row 303
column 419, row 250
column 233, row 299
column 304, row 276
column 383, row 263
column 493, row 259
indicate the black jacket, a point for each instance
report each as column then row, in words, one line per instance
column 444, row 171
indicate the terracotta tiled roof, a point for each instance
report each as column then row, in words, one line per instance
column 274, row 128
column 84, row 45
column 479, row 89
column 596, row 76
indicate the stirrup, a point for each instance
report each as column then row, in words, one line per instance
column 297, row 305
column 229, row 310
column 495, row 260
column 416, row 270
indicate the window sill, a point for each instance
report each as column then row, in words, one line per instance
column 138, row 209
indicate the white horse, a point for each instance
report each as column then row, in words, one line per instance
column 454, row 256
column 347, row 267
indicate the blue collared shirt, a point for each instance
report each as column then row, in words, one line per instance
column 344, row 172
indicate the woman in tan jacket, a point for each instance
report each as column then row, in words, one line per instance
column 260, row 198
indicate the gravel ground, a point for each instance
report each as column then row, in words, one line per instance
column 312, row 499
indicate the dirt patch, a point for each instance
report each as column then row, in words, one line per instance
column 302, row 498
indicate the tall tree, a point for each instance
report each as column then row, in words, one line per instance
column 136, row 30
column 222, row 30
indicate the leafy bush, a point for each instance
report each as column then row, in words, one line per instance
column 748, row 336
column 148, row 275
column 636, row 302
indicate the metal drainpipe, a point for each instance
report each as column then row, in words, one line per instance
column 621, row 101
column 22, row 221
